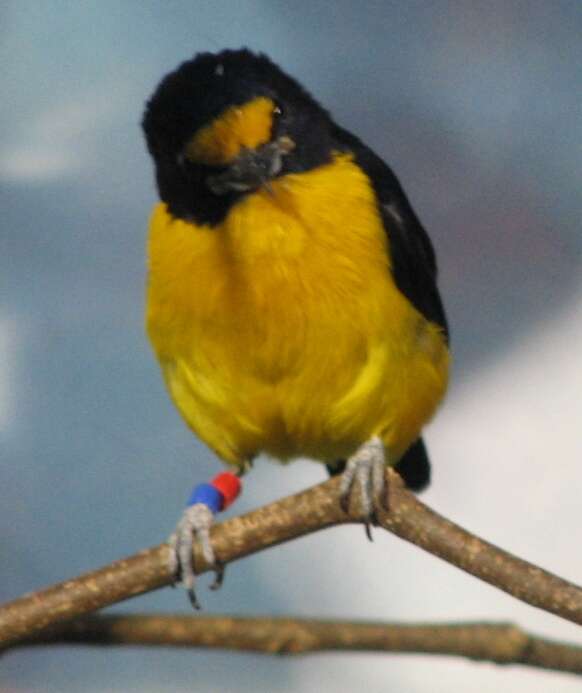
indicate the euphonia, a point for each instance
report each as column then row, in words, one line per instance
column 292, row 296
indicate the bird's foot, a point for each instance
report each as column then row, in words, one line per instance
column 366, row 470
column 205, row 501
column 194, row 525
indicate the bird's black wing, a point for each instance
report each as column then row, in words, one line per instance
column 413, row 258
column 414, row 268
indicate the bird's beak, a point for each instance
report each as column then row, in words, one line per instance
column 253, row 168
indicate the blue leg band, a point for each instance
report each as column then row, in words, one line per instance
column 209, row 495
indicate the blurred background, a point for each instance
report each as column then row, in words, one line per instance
column 476, row 106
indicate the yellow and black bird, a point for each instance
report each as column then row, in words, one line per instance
column 292, row 299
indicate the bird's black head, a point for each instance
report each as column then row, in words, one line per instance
column 222, row 125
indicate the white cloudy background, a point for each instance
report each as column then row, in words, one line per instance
column 476, row 107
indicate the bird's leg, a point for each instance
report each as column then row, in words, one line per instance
column 205, row 501
column 365, row 469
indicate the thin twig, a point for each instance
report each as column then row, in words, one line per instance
column 289, row 518
column 501, row 643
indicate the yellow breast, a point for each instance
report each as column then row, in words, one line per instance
column 281, row 329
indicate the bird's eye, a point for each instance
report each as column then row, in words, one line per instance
column 277, row 111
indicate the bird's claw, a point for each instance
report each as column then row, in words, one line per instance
column 218, row 576
column 194, row 524
column 366, row 470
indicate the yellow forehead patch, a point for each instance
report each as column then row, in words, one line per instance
column 246, row 126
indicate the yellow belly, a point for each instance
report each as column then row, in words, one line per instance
column 282, row 331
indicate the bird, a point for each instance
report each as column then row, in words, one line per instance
column 292, row 298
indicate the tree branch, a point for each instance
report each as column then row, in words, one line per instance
column 292, row 517
column 501, row 643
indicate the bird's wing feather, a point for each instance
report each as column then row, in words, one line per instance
column 413, row 257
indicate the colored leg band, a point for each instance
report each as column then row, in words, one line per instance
column 207, row 494
column 221, row 492
column 229, row 486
